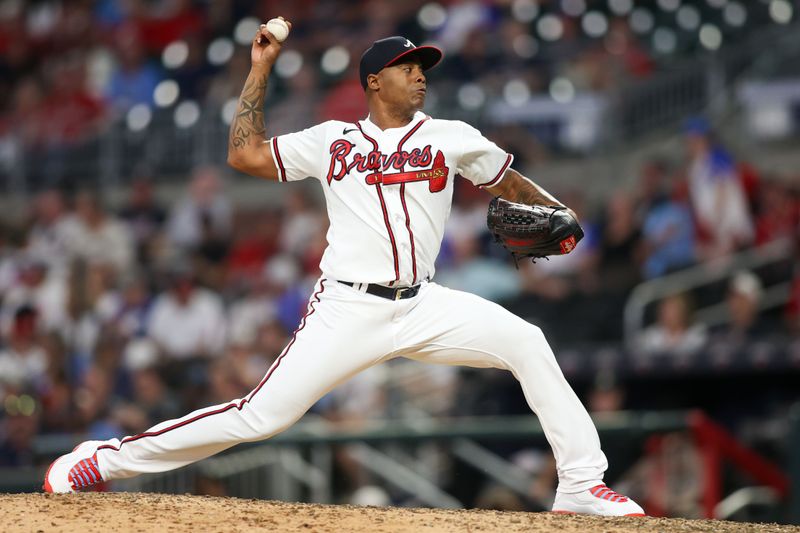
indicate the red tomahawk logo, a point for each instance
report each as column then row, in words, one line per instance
column 436, row 176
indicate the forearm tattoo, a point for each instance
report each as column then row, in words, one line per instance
column 516, row 188
column 248, row 123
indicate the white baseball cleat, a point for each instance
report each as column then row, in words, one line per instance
column 598, row 500
column 74, row 471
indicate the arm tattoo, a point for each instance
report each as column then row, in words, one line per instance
column 517, row 188
column 248, row 123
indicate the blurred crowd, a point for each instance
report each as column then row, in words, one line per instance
column 116, row 316
column 68, row 70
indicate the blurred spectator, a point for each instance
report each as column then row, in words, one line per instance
column 652, row 185
column 187, row 321
column 93, row 402
column 129, row 317
column 560, row 276
column 746, row 324
column 301, row 222
column 8, row 267
column 92, row 301
column 144, row 217
column 162, row 22
column 204, row 213
column 271, row 339
column 619, row 245
column 46, row 233
column 133, row 79
column 26, row 119
column 23, row 361
column 673, row 333
column 473, row 272
column 255, row 241
column 152, row 398
column 34, row 287
column 227, row 85
column 668, row 235
column 716, row 192
column 58, row 409
column 18, row 431
column 247, row 365
column 291, row 292
column 778, row 213
column 223, row 383
column 74, row 114
column 298, row 109
column 256, row 308
column 96, row 236
column 194, row 75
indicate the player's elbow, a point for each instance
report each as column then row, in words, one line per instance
column 236, row 161
column 242, row 163
column 252, row 164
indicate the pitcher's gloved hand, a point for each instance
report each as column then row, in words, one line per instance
column 533, row 230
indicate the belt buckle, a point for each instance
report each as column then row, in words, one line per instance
column 399, row 293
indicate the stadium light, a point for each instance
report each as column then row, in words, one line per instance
column 550, row 28
column 524, row 10
column 516, row 92
column 688, row 18
column 669, row 5
column 641, row 20
column 335, row 60
column 471, row 96
column 138, row 117
column 175, row 54
column 525, row 45
column 620, row 7
column 220, row 51
column 562, row 90
column 186, row 114
column 573, row 8
column 735, row 14
column 289, row 64
column 710, row 37
column 431, row 16
column 664, row 41
column 245, row 30
column 781, row 11
column 594, row 24
column 166, row 93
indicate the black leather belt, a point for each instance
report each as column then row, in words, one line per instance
column 398, row 293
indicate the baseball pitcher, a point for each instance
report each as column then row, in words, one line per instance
column 388, row 184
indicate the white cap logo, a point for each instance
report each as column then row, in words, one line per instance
column 409, row 44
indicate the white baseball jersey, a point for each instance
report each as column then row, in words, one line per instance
column 388, row 191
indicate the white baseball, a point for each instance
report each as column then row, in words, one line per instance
column 278, row 28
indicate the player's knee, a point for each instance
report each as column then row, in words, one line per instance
column 263, row 424
column 526, row 343
column 527, row 336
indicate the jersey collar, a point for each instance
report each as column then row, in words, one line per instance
column 373, row 128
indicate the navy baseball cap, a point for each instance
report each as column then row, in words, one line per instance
column 389, row 51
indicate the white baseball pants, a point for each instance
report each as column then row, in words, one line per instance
column 345, row 331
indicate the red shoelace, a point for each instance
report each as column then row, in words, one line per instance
column 604, row 493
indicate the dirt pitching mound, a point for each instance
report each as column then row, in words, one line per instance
column 124, row 512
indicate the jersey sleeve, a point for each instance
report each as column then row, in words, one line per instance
column 299, row 155
column 482, row 162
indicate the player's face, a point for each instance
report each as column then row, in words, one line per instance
column 404, row 85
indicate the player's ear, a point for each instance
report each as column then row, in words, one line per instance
column 373, row 82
